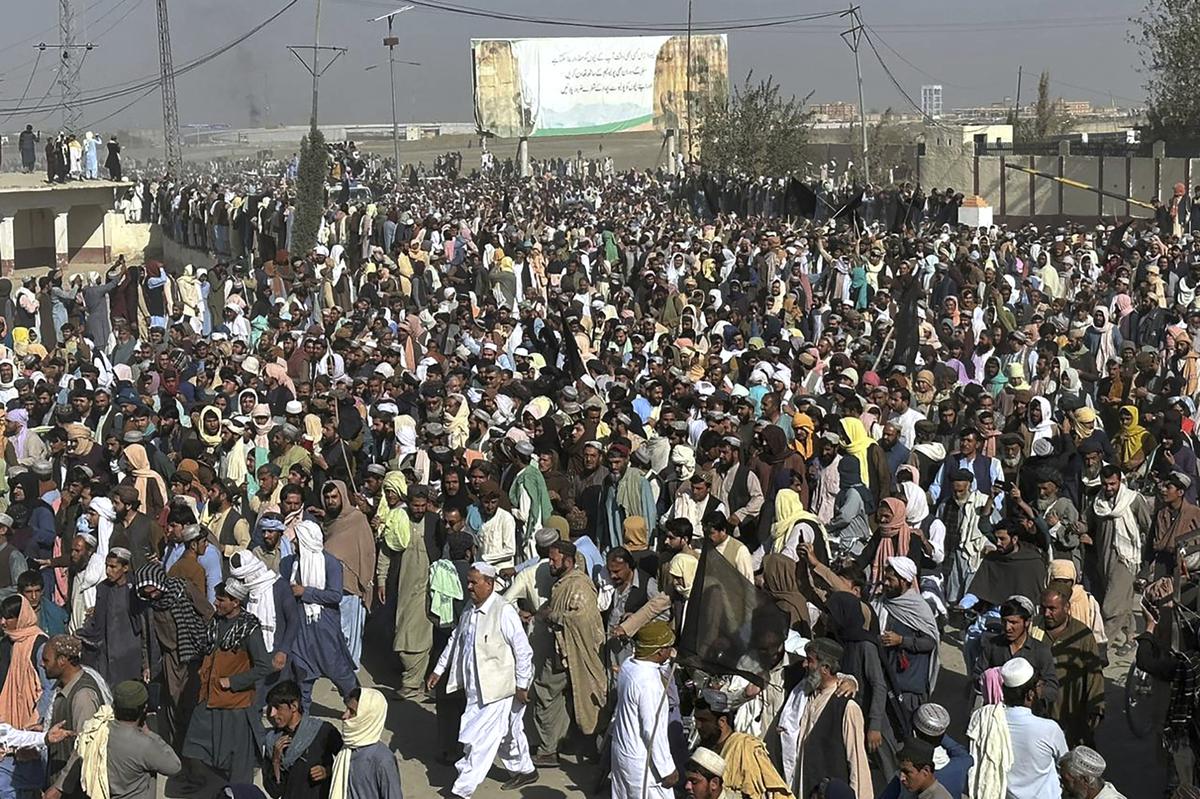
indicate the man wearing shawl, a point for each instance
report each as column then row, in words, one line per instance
column 365, row 768
column 626, row 492
column 349, row 539
column 1080, row 705
column 1119, row 520
column 910, row 638
column 270, row 600
column 118, row 755
column 530, row 499
column 316, row 578
column 574, row 666
column 404, row 555
column 299, row 749
column 179, row 612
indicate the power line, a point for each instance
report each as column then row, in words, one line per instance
column 96, row 123
column 141, row 84
column 714, row 26
column 28, row 83
column 928, row 119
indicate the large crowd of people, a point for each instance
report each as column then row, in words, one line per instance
column 638, row 470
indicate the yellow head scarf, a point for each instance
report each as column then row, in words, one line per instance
column 396, row 530
column 789, row 511
column 860, row 441
column 1131, row 438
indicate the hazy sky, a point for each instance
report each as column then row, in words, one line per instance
column 972, row 48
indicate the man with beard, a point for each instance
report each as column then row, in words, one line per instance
column 626, row 492
column 928, row 454
column 903, row 415
column 828, row 737
column 1080, row 705
column 231, row 530
column 894, row 450
column 572, row 667
column 1059, row 515
column 1013, row 568
column 738, row 487
column 1117, row 520
column 1081, row 772
column 284, row 451
column 968, row 516
column 985, row 471
column 348, row 538
column 133, row 529
column 746, row 757
column 910, row 637
column 405, row 553
column 1092, row 453
column 1012, row 456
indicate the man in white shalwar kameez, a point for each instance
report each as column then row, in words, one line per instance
column 642, row 766
column 489, row 658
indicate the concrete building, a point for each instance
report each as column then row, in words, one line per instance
column 931, row 100
column 44, row 224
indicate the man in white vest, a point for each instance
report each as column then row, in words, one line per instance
column 489, row 658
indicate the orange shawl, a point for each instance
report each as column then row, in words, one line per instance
column 22, row 689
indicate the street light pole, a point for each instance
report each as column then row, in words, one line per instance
column 390, row 42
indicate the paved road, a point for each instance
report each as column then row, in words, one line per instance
column 1133, row 764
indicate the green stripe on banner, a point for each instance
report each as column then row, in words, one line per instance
column 610, row 127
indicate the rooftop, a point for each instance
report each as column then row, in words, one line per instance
column 36, row 181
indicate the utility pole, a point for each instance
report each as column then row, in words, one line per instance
column 70, row 66
column 390, row 42
column 172, row 145
column 314, row 69
column 687, row 78
column 1017, row 101
column 852, row 38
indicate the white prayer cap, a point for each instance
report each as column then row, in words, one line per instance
column 708, row 760
column 6, row 520
column 904, row 567
column 546, row 536
column 88, row 539
column 294, row 407
column 1083, row 761
column 237, row 589
column 485, row 568
column 931, row 719
column 1016, row 673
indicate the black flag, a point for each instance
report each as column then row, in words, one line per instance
column 851, row 206
column 802, row 200
column 730, row 626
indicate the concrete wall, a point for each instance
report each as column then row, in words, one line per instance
column 1016, row 196
column 134, row 240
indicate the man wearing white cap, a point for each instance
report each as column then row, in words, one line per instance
column 704, row 775
column 951, row 760
column 489, row 658
column 909, row 636
column 1018, row 755
column 1082, row 774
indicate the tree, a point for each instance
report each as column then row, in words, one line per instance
column 1168, row 38
column 1049, row 116
column 310, row 191
column 754, row 131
